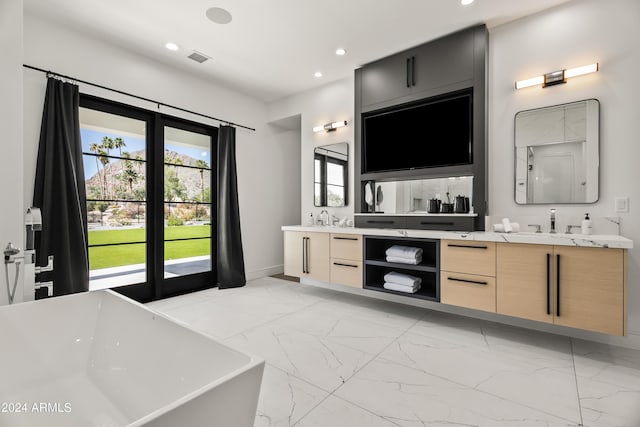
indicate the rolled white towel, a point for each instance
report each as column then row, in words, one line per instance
column 401, row 288
column 402, row 279
column 499, row 228
column 403, row 251
column 400, row 260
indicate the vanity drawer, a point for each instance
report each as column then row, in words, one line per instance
column 346, row 246
column 346, row 272
column 468, row 257
column 468, row 290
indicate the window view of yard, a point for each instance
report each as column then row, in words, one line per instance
column 114, row 152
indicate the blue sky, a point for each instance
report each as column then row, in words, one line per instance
column 132, row 144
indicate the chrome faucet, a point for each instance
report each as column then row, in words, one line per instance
column 553, row 221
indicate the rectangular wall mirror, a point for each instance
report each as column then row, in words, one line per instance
column 331, row 175
column 557, row 154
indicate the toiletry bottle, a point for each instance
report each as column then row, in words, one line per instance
column 310, row 219
column 587, row 225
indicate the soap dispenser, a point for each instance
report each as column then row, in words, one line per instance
column 587, row 225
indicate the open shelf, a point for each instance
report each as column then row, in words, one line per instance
column 375, row 265
column 397, row 265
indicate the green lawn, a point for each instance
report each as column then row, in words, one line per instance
column 114, row 256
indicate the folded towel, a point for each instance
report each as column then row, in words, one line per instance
column 401, row 288
column 403, row 251
column 499, row 228
column 402, row 279
column 399, row 260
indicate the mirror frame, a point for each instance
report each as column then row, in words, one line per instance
column 596, row 155
column 323, row 191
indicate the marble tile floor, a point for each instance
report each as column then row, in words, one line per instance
column 336, row 359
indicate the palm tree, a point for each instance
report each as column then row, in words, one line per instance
column 102, row 155
column 129, row 174
column 94, row 148
column 119, row 143
column 203, row 165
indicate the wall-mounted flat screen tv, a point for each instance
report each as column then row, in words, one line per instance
column 435, row 132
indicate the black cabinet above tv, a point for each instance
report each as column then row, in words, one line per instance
column 404, row 77
column 421, row 114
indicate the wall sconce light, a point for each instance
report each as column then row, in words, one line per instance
column 557, row 77
column 330, row 127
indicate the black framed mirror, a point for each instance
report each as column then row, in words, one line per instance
column 557, row 154
column 331, row 175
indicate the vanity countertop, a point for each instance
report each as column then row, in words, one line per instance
column 559, row 239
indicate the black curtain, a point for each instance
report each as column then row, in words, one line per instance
column 230, row 257
column 60, row 190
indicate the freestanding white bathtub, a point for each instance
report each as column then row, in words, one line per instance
column 100, row 359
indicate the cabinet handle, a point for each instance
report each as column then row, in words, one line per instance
column 435, row 223
column 413, row 71
column 558, row 285
column 466, row 246
column 548, row 283
column 380, row 222
column 304, row 254
column 475, row 282
column 308, row 250
column 408, row 67
column 346, row 238
column 345, row 265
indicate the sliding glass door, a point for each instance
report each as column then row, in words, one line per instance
column 150, row 182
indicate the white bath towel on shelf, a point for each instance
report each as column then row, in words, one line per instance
column 400, row 260
column 402, row 279
column 398, row 251
column 401, row 288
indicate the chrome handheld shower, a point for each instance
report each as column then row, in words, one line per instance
column 10, row 257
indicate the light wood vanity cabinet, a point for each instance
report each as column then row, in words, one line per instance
column 467, row 276
column 306, row 254
column 578, row 287
column 570, row 286
column 346, row 259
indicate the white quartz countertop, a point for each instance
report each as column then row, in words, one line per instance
column 558, row 239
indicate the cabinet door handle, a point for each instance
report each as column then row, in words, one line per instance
column 380, row 222
column 413, row 71
column 345, row 265
column 548, row 283
column 558, row 285
column 303, row 250
column 475, row 282
column 346, row 238
column 304, row 255
column 408, row 68
column 466, row 246
column 435, row 223
column 308, row 250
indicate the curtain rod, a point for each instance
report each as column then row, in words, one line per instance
column 53, row 73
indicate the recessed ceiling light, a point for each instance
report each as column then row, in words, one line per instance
column 318, row 74
column 219, row 15
column 340, row 51
column 466, row 2
column 172, row 46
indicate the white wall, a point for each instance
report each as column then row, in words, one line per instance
column 329, row 103
column 11, row 130
column 577, row 33
column 264, row 186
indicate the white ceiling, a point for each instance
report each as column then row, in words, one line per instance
column 271, row 49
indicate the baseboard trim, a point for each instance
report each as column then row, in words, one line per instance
column 265, row 272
